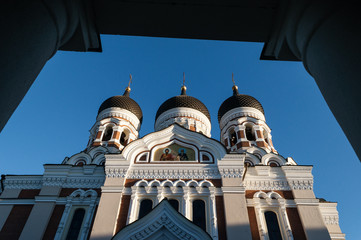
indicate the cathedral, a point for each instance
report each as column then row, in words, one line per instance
column 174, row 183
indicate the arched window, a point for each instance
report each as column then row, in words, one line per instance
column 274, row 232
column 249, row 133
column 75, row 224
column 80, row 163
column 124, row 137
column 108, row 133
column 146, row 206
column 199, row 213
column 232, row 137
column 174, row 203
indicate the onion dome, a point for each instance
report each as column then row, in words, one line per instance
column 238, row 100
column 183, row 100
column 186, row 111
column 123, row 102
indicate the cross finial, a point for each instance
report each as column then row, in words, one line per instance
column 234, row 88
column 130, row 80
column 184, row 88
column 127, row 90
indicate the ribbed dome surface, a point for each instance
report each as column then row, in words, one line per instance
column 238, row 100
column 123, row 102
column 183, row 101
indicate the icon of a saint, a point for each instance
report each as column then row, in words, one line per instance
column 182, row 155
column 166, row 156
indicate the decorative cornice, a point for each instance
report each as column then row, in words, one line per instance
column 331, row 219
column 115, row 172
column 266, row 185
column 23, row 184
column 174, row 173
column 231, row 172
column 301, row 184
column 65, row 182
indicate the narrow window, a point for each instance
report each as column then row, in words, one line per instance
column 107, row 134
column 145, row 207
column 199, row 214
column 274, row 232
column 249, row 134
column 124, row 137
column 174, row 203
column 75, row 224
column 232, row 137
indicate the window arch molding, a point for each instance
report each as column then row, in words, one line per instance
column 183, row 192
column 273, row 202
column 79, row 199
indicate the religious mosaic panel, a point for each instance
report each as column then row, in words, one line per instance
column 174, row 152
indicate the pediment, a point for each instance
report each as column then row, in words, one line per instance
column 165, row 223
column 173, row 145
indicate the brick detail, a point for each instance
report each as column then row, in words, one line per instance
column 261, row 144
column 221, row 220
column 29, row 193
column 123, row 212
column 54, row 222
column 259, row 134
column 243, row 144
column 192, row 128
column 116, row 135
column 113, row 144
column 226, row 142
column 284, row 194
column 96, row 144
column 296, row 224
column 253, row 223
column 99, row 135
column 15, row 222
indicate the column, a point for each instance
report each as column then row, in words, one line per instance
column 235, row 206
column 40, row 214
column 31, row 33
column 300, row 180
column 6, row 209
column 326, row 36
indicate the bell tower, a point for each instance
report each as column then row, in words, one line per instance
column 118, row 122
column 243, row 124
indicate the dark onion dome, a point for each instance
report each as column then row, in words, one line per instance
column 238, row 100
column 183, row 100
column 124, row 102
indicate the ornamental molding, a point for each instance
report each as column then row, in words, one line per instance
column 241, row 112
column 116, row 172
column 65, row 182
column 176, row 114
column 163, row 222
column 301, row 184
column 23, row 183
column 231, row 172
column 331, row 220
column 174, row 173
column 267, row 185
column 83, row 182
column 121, row 113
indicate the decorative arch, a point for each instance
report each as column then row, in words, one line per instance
column 163, row 220
column 175, row 134
column 79, row 157
column 273, row 158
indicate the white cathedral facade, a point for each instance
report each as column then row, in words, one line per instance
column 174, row 183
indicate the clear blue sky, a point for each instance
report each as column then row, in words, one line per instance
column 54, row 119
